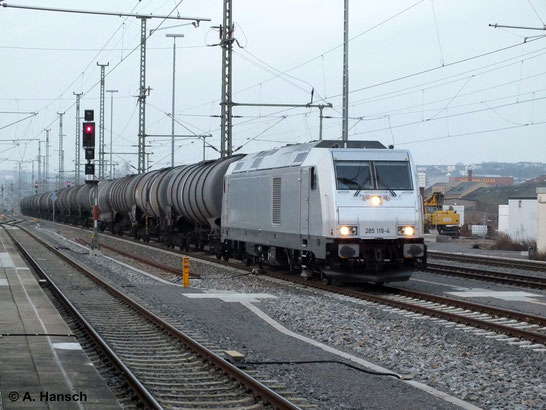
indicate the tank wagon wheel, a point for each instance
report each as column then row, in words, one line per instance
column 248, row 260
column 218, row 252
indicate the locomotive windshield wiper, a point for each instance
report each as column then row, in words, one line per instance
column 349, row 181
column 361, row 187
column 380, row 180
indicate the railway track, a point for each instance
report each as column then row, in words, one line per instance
column 489, row 275
column 487, row 318
column 167, row 368
column 539, row 266
column 528, row 330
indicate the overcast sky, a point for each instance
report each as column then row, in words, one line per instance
column 427, row 75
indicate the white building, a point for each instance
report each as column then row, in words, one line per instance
column 503, row 219
column 541, row 216
column 521, row 217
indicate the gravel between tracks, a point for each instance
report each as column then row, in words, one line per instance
column 485, row 372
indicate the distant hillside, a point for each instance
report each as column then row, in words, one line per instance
column 520, row 171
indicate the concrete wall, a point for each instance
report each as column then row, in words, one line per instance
column 541, row 219
column 503, row 219
column 522, row 219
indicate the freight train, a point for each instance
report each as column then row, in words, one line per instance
column 326, row 208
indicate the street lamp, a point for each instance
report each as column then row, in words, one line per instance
column 174, row 37
column 111, row 127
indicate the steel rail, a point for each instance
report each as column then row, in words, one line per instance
column 133, row 381
column 510, row 314
column 142, row 260
column 480, row 274
column 262, row 391
column 489, row 260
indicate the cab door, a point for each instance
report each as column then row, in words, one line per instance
column 304, row 200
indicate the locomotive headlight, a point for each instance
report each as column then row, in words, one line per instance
column 406, row 230
column 376, row 200
column 348, row 230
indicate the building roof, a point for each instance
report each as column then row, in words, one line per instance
column 541, row 179
column 501, row 194
column 463, row 186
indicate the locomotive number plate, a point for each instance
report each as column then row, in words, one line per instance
column 377, row 230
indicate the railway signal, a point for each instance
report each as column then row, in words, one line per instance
column 88, row 142
column 89, row 134
column 89, row 169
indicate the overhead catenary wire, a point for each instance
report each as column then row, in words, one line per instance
column 319, row 56
column 415, row 74
column 432, row 69
column 450, row 116
column 356, row 117
column 538, row 15
column 472, row 133
column 437, row 33
column 402, row 111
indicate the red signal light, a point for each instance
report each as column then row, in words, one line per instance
column 88, row 135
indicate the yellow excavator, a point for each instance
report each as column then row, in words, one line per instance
column 446, row 222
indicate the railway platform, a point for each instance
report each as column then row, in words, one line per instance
column 42, row 365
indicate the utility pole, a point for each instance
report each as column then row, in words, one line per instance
column 110, row 174
column 174, row 37
column 61, row 151
column 345, row 122
column 39, row 165
column 46, row 173
column 320, row 122
column 78, row 141
column 101, row 122
column 148, row 162
column 18, row 182
column 226, row 42
column 142, row 100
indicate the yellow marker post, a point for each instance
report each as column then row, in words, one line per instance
column 186, row 271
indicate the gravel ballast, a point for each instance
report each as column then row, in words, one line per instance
column 484, row 371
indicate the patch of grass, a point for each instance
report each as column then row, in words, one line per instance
column 504, row 243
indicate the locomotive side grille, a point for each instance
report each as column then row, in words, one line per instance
column 276, row 204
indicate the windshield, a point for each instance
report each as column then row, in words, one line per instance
column 393, row 175
column 353, row 175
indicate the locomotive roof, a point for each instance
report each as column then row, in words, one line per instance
column 295, row 154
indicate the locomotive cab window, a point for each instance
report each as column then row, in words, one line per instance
column 393, row 175
column 353, row 175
